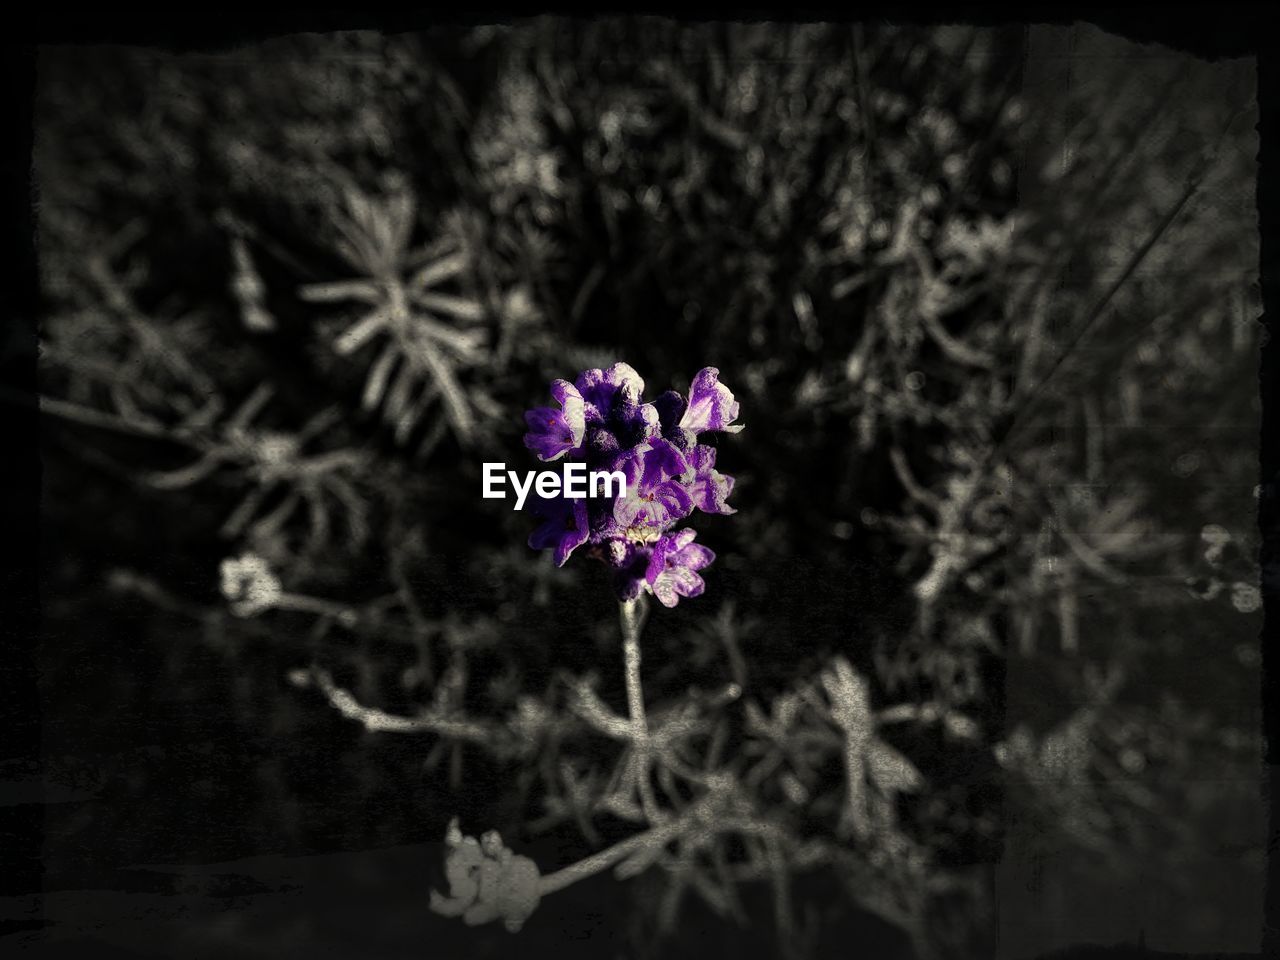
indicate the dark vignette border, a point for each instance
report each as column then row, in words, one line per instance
column 1207, row 30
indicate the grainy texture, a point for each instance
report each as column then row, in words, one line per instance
column 976, row 667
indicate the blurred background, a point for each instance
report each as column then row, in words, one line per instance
column 988, row 299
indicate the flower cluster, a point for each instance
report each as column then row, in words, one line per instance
column 602, row 420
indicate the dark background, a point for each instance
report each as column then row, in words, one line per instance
column 169, row 742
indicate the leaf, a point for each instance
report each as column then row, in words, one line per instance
column 185, row 477
column 251, row 407
column 890, row 770
column 410, row 418
column 455, row 400
column 850, row 703
column 960, row 725
column 358, row 334
column 457, row 307
column 439, row 270
column 640, row 861
column 433, row 437
column 362, row 290
column 376, row 385
column 465, row 343
column 756, row 720
column 396, row 408
column 398, row 215
column 354, row 245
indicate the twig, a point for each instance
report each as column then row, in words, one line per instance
column 589, row 866
column 377, row 720
column 95, row 418
column 591, row 708
column 903, row 470
column 304, row 604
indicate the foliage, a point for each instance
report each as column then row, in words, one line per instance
column 996, row 333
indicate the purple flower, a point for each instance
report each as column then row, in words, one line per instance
column 632, row 562
column 553, row 433
column 672, row 570
column 655, row 496
column 671, row 407
column 565, row 526
column 600, row 388
column 602, row 444
column 711, row 405
column 709, row 488
column 636, row 422
column 605, row 422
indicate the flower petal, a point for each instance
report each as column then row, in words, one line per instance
column 711, row 404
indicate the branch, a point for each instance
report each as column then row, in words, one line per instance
column 377, row 720
column 659, row 836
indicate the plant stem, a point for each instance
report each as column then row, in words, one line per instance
column 325, row 608
column 456, row 729
column 589, row 866
column 633, row 614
